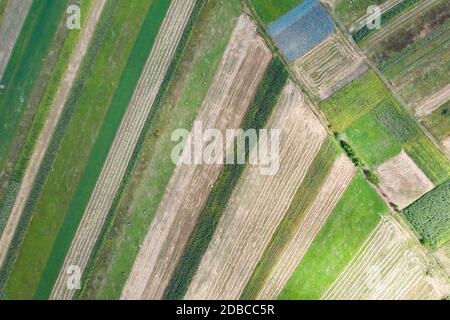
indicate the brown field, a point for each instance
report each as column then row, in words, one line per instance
column 328, row 66
column 49, row 127
column 402, row 180
column 258, row 203
column 391, row 265
column 127, row 136
column 241, row 69
column 433, row 102
column 340, row 176
column 13, row 19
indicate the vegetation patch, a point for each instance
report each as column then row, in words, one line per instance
column 271, row 10
column 438, row 122
column 430, row 216
column 300, row 204
column 355, row 216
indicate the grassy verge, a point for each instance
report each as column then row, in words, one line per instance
column 146, row 180
column 24, row 67
column 259, row 112
column 300, row 204
column 430, row 216
column 104, row 140
column 353, row 219
column 79, row 128
column 271, row 10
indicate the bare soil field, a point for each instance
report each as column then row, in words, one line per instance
column 124, row 143
column 391, row 265
column 402, row 180
column 433, row 102
column 241, row 69
column 325, row 66
column 50, row 125
column 332, row 190
column 259, row 202
column 13, row 19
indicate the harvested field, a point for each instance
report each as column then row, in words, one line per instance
column 328, row 65
column 11, row 24
column 301, row 29
column 47, row 131
column 256, row 207
column 336, row 183
column 442, row 256
column 402, row 180
column 125, row 141
column 433, row 102
column 242, row 67
column 391, row 265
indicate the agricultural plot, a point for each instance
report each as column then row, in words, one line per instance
column 313, row 219
column 355, row 216
column 242, row 67
column 55, row 218
column 127, row 136
column 402, row 181
column 329, row 66
column 301, row 29
column 271, row 10
column 430, row 216
column 50, row 108
column 391, row 265
column 353, row 13
column 378, row 127
column 144, row 191
column 438, row 122
column 413, row 53
column 12, row 17
column 256, row 207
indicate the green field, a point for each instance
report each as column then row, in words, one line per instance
column 355, row 216
column 121, row 25
column 438, row 122
column 257, row 115
column 40, row 117
column 22, row 74
column 3, row 4
column 271, row 10
column 430, row 216
column 300, row 204
column 348, row 11
column 154, row 168
column 416, row 58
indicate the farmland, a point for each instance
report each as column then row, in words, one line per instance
column 430, row 216
column 154, row 168
column 329, row 66
column 438, row 122
column 301, row 29
column 413, row 53
column 245, row 58
column 355, row 216
column 390, row 265
column 271, row 10
column 256, row 207
column 349, row 12
column 79, row 137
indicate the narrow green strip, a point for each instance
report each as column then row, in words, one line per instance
column 300, row 204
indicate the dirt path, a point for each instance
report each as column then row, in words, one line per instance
column 50, row 125
column 12, row 22
column 339, row 178
column 433, row 102
column 259, row 202
column 229, row 96
column 391, row 265
column 125, row 141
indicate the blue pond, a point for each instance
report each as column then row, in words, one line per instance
column 301, row 29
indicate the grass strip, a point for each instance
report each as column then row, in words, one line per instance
column 258, row 114
column 300, row 204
